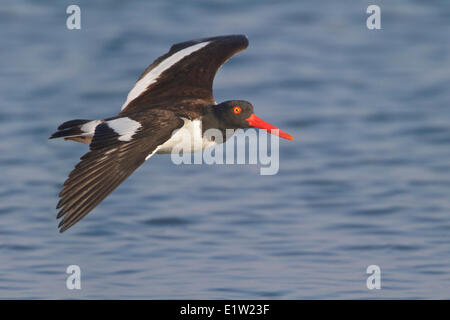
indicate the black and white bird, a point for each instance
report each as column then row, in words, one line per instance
column 174, row 92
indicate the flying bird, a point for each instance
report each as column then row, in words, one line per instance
column 174, row 92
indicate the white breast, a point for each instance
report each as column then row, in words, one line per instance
column 188, row 138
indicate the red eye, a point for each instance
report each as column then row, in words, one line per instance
column 237, row 110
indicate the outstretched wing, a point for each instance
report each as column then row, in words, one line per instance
column 119, row 147
column 184, row 74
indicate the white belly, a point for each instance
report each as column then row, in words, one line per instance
column 188, row 138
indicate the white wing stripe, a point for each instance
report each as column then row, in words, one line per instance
column 153, row 74
column 124, row 127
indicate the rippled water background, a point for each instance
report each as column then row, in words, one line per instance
column 366, row 180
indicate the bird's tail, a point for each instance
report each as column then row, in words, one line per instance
column 77, row 130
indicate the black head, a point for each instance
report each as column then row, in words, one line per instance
column 238, row 114
column 233, row 113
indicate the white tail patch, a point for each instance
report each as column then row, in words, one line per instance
column 124, row 127
column 153, row 74
column 89, row 127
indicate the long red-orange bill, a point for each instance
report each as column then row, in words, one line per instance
column 256, row 122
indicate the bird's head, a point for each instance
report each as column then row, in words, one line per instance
column 238, row 114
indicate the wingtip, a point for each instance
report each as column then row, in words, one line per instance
column 61, row 227
column 245, row 39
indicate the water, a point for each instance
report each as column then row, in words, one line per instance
column 366, row 180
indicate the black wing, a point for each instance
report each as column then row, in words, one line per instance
column 112, row 158
column 184, row 74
